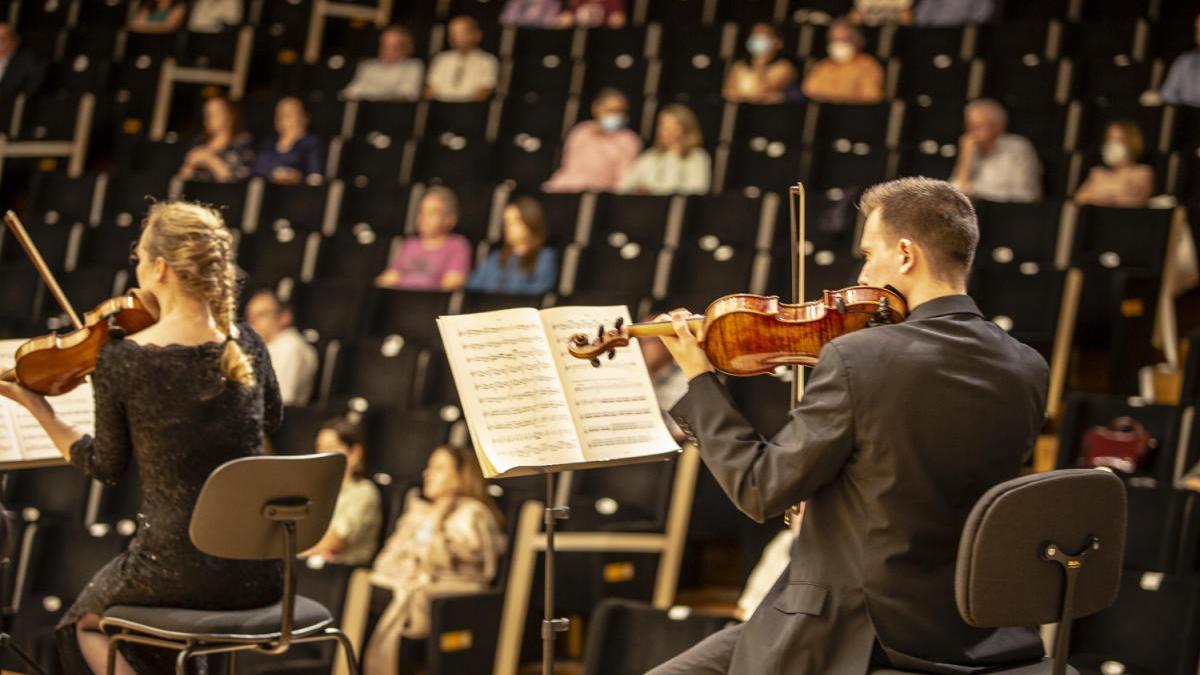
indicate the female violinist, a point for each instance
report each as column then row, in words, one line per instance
column 155, row 390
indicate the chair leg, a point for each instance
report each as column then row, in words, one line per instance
column 232, row 663
column 113, row 641
column 181, row 661
column 348, row 650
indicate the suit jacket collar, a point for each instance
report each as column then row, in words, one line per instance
column 946, row 304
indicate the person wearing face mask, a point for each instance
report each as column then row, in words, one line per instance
column 524, row 264
column 1121, row 181
column 992, row 164
column 678, row 162
column 448, row 541
column 764, row 76
column 600, row 151
column 847, row 75
column 394, row 76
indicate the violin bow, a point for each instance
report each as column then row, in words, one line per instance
column 796, row 204
column 35, row 256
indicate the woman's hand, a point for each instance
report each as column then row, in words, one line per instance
column 27, row 398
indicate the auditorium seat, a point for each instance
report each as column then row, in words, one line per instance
column 437, row 388
column 297, row 435
column 58, row 493
column 135, row 87
column 627, row 637
column 378, row 370
column 1095, row 118
column 84, row 40
column 140, row 154
column 1025, row 79
column 761, row 163
column 1044, row 125
column 541, row 61
column 54, row 197
column 462, row 119
column 408, row 313
column 384, row 208
column 827, row 272
column 538, row 116
column 217, row 51
column 371, row 161
column 844, row 125
column 832, row 168
column 941, row 78
column 229, row 199
column 1022, row 300
column 562, row 215
column 19, row 296
column 453, row 159
column 1014, row 233
column 688, row 13
column 927, row 160
column 732, row 218
column 356, row 252
column 391, row 119
column 1108, row 37
column 298, row 207
column 109, row 14
column 49, row 117
column 51, row 240
column 399, row 445
column 481, row 301
column 705, row 265
column 643, row 219
column 526, row 160
column 1160, row 421
column 476, row 207
column 1111, row 79
column 831, row 223
column 693, row 63
column 616, row 65
column 329, row 309
column 128, row 196
column 79, row 74
column 628, row 268
column 273, row 254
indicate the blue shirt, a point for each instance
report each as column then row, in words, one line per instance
column 1183, row 82
column 510, row 277
column 305, row 155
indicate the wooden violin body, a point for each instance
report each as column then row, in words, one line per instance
column 57, row 363
column 745, row 334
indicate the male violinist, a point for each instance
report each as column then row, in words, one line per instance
column 901, row 429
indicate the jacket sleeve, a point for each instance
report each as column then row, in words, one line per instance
column 105, row 455
column 764, row 477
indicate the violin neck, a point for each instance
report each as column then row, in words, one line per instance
column 664, row 328
column 9, row 375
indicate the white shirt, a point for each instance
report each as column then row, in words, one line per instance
column 295, row 364
column 211, row 16
column 666, row 173
column 1011, row 172
column 378, row 81
column 455, row 76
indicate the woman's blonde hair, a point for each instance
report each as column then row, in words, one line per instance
column 470, row 478
column 193, row 241
column 692, row 136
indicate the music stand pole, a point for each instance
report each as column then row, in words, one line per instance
column 550, row 624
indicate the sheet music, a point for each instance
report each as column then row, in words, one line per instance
column 508, row 384
column 21, row 436
column 613, row 406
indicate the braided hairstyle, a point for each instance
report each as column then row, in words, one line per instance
column 194, row 242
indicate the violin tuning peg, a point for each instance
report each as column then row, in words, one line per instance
column 620, row 322
column 612, row 354
column 600, row 333
column 595, row 362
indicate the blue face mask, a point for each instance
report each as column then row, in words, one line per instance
column 612, row 122
column 758, row 44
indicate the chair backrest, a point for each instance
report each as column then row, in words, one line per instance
column 230, row 519
column 1002, row 578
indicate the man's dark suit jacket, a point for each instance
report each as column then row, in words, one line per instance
column 901, row 429
column 24, row 74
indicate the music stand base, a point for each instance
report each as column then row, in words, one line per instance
column 6, row 644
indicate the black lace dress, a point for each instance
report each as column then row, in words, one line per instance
column 171, row 410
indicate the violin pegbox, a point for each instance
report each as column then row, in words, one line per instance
column 606, row 341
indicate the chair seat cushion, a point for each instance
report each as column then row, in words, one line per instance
column 1043, row 667
column 250, row 625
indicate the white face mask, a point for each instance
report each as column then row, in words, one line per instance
column 1114, row 153
column 841, row 51
column 612, row 122
column 758, row 44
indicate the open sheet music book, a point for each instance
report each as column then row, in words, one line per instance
column 533, row 408
column 23, row 442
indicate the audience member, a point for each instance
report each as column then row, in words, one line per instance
column 678, row 162
column 294, row 360
column 435, row 259
column 225, row 151
column 764, row 75
column 524, row 264
column 448, row 541
column 293, row 154
column 1182, row 86
column 21, row 72
column 464, row 72
column 353, row 532
column 592, row 13
column 599, row 151
column 531, row 13
column 994, row 165
column 394, row 76
column 214, row 16
column 881, row 12
column 1122, row 181
column 847, row 75
column 953, row 12
column 158, row 16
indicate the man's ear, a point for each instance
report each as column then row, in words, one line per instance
column 908, row 254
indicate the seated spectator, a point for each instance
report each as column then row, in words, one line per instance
column 678, row 162
column 158, row 16
column 764, row 75
column 599, row 151
column 524, row 264
column 994, row 165
column 464, row 72
column 293, row 154
column 1182, row 86
column 592, row 13
column 881, row 12
column 1121, row 181
column 225, row 152
column 435, row 259
column 953, row 12
column 847, row 75
column 294, row 359
column 21, row 72
column 394, row 76
column 214, row 16
column 353, row 533
column 448, row 541
column 531, row 13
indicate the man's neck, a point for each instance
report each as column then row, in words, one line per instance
column 931, row 291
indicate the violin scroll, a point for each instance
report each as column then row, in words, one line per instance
column 606, row 341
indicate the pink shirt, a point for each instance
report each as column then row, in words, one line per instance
column 423, row 269
column 594, row 160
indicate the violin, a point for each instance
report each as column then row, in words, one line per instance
column 745, row 334
column 57, row 363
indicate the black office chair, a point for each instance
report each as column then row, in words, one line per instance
column 1039, row 549
column 253, row 508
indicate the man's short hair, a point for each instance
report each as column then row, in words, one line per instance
column 449, row 199
column 993, row 108
column 281, row 306
column 933, row 213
